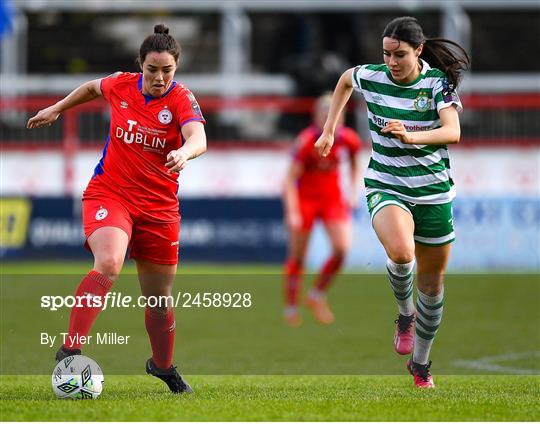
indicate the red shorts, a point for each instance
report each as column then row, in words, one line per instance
column 156, row 242
column 324, row 209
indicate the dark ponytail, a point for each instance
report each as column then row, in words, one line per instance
column 440, row 53
column 159, row 41
column 448, row 56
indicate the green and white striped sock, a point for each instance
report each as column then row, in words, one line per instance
column 401, row 280
column 429, row 311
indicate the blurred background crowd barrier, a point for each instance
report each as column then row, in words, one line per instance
column 256, row 67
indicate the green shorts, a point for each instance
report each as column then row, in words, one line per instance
column 433, row 224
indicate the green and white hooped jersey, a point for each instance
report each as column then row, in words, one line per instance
column 415, row 173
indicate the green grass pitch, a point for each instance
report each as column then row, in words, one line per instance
column 245, row 365
column 282, row 398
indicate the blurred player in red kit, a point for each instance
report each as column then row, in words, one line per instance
column 312, row 191
column 131, row 200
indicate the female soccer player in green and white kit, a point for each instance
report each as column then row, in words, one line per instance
column 413, row 114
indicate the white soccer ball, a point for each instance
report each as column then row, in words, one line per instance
column 77, row 377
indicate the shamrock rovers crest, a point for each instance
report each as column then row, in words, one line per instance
column 375, row 199
column 422, row 102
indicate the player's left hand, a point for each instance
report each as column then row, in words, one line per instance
column 397, row 129
column 176, row 160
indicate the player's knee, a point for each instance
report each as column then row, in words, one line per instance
column 400, row 253
column 430, row 283
column 109, row 265
column 430, row 289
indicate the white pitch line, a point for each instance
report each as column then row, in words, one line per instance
column 489, row 363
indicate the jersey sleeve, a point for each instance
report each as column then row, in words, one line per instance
column 446, row 95
column 356, row 76
column 108, row 83
column 303, row 148
column 188, row 109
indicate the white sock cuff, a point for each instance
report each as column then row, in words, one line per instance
column 431, row 300
column 400, row 270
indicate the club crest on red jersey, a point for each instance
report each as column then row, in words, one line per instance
column 101, row 213
column 165, row 116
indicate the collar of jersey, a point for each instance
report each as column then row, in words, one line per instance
column 425, row 67
column 147, row 97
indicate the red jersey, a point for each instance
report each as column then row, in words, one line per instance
column 143, row 131
column 320, row 178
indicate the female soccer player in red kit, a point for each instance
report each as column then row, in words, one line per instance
column 312, row 191
column 131, row 200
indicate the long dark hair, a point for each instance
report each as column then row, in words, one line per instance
column 440, row 53
column 159, row 41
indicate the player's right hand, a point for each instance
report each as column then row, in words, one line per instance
column 176, row 160
column 324, row 144
column 44, row 118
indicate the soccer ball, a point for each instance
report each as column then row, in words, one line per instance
column 77, row 377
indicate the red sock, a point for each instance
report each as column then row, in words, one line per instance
column 329, row 270
column 82, row 317
column 293, row 277
column 161, row 331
